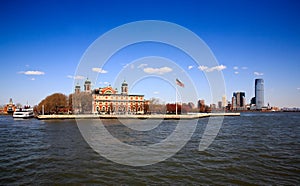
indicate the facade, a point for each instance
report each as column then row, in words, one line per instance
column 10, row 107
column 259, row 93
column 220, row 105
column 108, row 100
column 201, row 105
column 238, row 101
column 224, row 102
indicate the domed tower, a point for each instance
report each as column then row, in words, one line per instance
column 124, row 88
column 77, row 89
column 87, row 86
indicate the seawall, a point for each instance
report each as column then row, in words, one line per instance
column 156, row 116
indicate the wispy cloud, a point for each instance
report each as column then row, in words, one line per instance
column 258, row 73
column 160, row 71
column 143, row 65
column 104, row 83
column 190, row 67
column 32, row 79
column 75, row 77
column 236, row 72
column 128, row 65
column 155, row 92
column 99, row 70
column 236, row 68
column 298, row 88
column 125, row 66
column 32, row 72
column 211, row 69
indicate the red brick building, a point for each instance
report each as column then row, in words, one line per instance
column 108, row 100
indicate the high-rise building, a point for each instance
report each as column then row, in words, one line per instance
column 224, row 102
column 238, row 101
column 259, row 93
column 201, row 105
column 220, row 105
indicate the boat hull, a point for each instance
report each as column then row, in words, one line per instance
column 23, row 115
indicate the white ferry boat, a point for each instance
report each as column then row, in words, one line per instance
column 24, row 113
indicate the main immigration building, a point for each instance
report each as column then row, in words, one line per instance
column 107, row 100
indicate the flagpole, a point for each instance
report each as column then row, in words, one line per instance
column 176, row 100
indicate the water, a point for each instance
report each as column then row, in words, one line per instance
column 254, row 149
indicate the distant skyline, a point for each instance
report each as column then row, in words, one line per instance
column 42, row 42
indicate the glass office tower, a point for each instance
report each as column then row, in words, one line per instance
column 259, row 93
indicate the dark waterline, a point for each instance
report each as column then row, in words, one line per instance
column 256, row 148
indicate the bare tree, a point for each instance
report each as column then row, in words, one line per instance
column 54, row 103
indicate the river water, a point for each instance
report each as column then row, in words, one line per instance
column 253, row 149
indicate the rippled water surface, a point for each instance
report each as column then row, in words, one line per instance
column 255, row 148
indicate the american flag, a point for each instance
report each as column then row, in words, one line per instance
column 179, row 83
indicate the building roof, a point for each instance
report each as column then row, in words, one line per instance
column 87, row 81
column 124, row 83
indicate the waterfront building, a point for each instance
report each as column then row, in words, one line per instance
column 213, row 106
column 224, row 102
column 259, row 93
column 238, row 101
column 253, row 101
column 108, row 100
column 10, row 107
column 201, row 105
column 220, row 105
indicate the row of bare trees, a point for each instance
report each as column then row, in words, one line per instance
column 156, row 106
column 59, row 103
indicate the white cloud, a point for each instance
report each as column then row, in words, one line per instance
column 161, row 70
column 298, row 88
column 99, row 70
column 235, row 68
column 244, row 68
column 143, row 65
column 203, row 68
column 156, row 92
column 76, row 77
column 32, row 79
column 258, row 73
column 190, row 67
column 211, row 69
column 236, row 72
column 32, row 72
column 105, row 83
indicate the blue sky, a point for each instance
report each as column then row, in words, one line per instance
column 42, row 42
